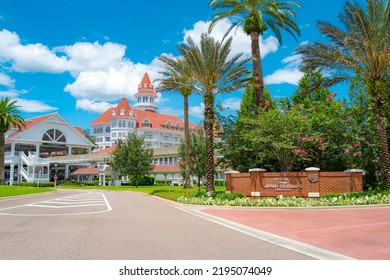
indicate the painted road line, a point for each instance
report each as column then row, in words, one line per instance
column 90, row 199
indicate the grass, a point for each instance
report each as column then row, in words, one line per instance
column 168, row 192
column 6, row 191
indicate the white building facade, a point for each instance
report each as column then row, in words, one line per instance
column 159, row 130
column 28, row 151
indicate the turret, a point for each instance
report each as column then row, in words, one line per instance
column 146, row 96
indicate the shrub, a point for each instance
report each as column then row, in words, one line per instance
column 219, row 183
column 144, row 181
column 36, row 184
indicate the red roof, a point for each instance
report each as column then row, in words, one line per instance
column 86, row 171
column 106, row 150
column 80, row 130
column 166, row 168
column 145, row 83
column 146, row 87
column 157, row 120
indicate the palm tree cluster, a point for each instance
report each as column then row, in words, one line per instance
column 208, row 70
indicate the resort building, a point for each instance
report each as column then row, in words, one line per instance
column 28, row 150
column 159, row 130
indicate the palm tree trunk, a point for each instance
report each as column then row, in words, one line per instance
column 209, row 130
column 187, row 183
column 380, row 124
column 258, row 82
column 2, row 148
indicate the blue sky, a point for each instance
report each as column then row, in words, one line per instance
column 79, row 57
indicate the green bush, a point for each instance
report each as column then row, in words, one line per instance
column 143, row 181
column 219, row 183
column 40, row 184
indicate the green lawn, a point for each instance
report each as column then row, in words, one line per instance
column 168, row 192
column 6, row 191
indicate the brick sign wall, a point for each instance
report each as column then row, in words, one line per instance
column 310, row 183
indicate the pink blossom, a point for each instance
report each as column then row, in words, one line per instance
column 330, row 98
column 323, row 148
column 354, row 154
column 355, row 145
column 334, row 94
column 346, row 151
column 321, row 141
column 367, row 143
column 303, row 117
column 267, row 102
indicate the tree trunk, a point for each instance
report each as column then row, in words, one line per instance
column 209, row 130
column 380, row 124
column 187, row 183
column 2, row 148
column 258, row 83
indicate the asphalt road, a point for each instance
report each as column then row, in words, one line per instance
column 109, row 225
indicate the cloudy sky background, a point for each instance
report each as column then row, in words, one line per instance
column 79, row 57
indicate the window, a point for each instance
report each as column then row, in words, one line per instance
column 94, row 130
column 122, row 112
column 54, row 135
column 108, row 129
column 113, row 124
column 108, row 139
column 139, row 99
column 146, row 123
column 151, row 99
column 113, row 135
column 113, row 112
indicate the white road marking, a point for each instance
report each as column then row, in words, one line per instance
column 89, row 199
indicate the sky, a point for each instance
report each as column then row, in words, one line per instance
column 80, row 57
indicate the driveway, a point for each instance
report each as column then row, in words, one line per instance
column 111, row 225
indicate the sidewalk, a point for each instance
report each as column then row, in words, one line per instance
column 356, row 232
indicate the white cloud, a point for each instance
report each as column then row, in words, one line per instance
column 241, row 42
column 197, row 111
column 289, row 74
column 113, row 83
column 93, row 56
column 231, row 103
column 31, row 57
column 102, row 74
column 91, row 106
column 33, row 106
column 6, row 80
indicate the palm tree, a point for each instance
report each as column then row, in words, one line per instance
column 9, row 116
column 362, row 50
column 213, row 72
column 255, row 17
column 178, row 78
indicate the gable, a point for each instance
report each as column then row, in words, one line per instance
column 52, row 129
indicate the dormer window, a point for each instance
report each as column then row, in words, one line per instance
column 122, row 112
column 151, row 100
column 113, row 112
column 146, row 123
column 178, row 126
column 168, row 124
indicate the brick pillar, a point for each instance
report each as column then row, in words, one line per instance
column 256, row 180
column 228, row 175
column 356, row 179
column 313, row 177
